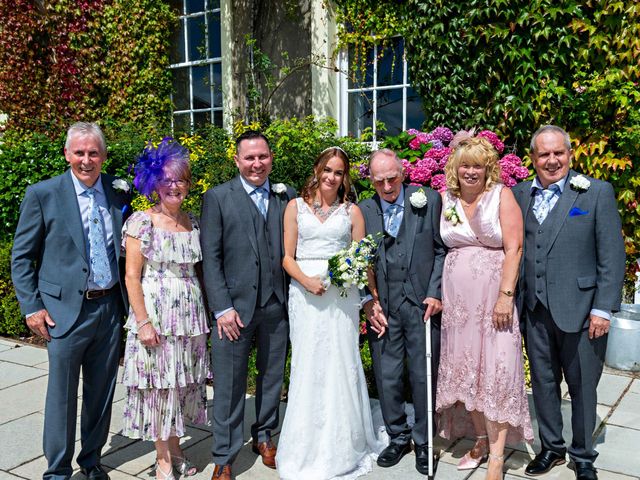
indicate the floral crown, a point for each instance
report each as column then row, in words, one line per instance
column 150, row 163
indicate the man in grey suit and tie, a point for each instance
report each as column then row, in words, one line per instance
column 408, row 273
column 68, row 282
column 241, row 237
column 570, row 284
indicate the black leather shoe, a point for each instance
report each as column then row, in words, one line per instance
column 422, row 459
column 393, row 454
column 544, row 461
column 585, row 471
column 95, row 473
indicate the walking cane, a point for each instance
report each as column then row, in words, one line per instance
column 427, row 334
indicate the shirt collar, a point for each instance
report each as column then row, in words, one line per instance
column 536, row 185
column 250, row 187
column 80, row 187
column 399, row 201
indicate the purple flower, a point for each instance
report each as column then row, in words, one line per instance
column 363, row 170
column 443, row 134
column 439, row 182
column 413, row 131
column 440, row 155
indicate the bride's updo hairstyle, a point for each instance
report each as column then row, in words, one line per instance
column 472, row 151
column 311, row 187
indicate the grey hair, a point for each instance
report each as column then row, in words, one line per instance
column 86, row 128
column 388, row 152
column 551, row 129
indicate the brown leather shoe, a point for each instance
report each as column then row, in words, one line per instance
column 267, row 450
column 221, row 472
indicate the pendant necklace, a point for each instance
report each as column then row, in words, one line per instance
column 317, row 209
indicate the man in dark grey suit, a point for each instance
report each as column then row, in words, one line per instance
column 408, row 273
column 241, row 236
column 570, row 283
column 68, row 282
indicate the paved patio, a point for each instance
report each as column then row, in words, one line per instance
column 23, row 381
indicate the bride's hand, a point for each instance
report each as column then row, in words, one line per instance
column 315, row 285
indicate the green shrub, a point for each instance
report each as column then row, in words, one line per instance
column 11, row 321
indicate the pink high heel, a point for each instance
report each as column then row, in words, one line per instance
column 467, row 462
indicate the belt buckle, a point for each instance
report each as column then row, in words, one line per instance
column 93, row 294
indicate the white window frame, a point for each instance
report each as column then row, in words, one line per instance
column 196, row 63
column 344, row 91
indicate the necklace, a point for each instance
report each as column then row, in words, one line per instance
column 317, row 209
column 176, row 219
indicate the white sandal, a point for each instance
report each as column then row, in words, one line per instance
column 164, row 475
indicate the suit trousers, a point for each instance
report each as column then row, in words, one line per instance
column 92, row 344
column 405, row 339
column 230, row 366
column 552, row 354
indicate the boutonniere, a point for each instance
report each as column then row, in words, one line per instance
column 418, row 199
column 579, row 183
column 120, row 185
column 279, row 188
column 451, row 214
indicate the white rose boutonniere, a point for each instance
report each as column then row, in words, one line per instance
column 451, row 214
column 580, row 183
column 120, row 185
column 279, row 188
column 418, row 199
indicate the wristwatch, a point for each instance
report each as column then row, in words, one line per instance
column 508, row 293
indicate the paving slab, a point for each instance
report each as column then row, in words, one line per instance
column 24, row 398
column 627, row 413
column 635, row 386
column 611, row 387
column 17, row 439
column 42, row 366
column 13, row 374
column 8, row 476
column 618, row 448
column 25, row 355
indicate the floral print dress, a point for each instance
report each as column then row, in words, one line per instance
column 166, row 383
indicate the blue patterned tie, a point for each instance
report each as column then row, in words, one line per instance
column 259, row 200
column 97, row 249
column 392, row 219
column 542, row 207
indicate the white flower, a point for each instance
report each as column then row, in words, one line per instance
column 451, row 214
column 279, row 188
column 580, row 183
column 121, row 185
column 418, row 199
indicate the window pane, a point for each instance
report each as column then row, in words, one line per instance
column 200, row 119
column 197, row 47
column 217, row 84
column 177, row 51
column 390, row 64
column 217, row 118
column 194, row 6
column 360, row 112
column 201, row 87
column 214, row 35
column 211, row 4
column 390, row 111
column 182, row 123
column 415, row 112
column 359, row 77
column 181, row 88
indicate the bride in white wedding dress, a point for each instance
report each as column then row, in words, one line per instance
column 327, row 431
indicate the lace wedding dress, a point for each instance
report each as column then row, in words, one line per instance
column 327, row 430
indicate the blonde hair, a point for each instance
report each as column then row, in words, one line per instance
column 474, row 151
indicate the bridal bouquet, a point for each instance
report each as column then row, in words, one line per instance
column 349, row 266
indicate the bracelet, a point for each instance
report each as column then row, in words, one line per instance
column 143, row 323
column 508, row 293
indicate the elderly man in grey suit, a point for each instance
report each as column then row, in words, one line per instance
column 408, row 272
column 570, row 283
column 68, row 282
column 241, row 237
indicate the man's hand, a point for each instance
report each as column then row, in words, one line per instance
column 376, row 317
column 434, row 306
column 598, row 326
column 230, row 324
column 37, row 324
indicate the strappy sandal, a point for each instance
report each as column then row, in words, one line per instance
column 184, row 466
column 469, row 462
column 163, row 475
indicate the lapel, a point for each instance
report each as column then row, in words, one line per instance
column 410, row 220
column 115, row 212
column 378, row 219
column 68, row 204
column 524, row 199
column 244, row 204
column 564, row 204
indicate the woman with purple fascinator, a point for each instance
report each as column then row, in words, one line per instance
column 166, row 362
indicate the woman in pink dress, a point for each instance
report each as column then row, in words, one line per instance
column 481, row 387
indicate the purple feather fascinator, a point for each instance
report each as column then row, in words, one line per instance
column 150, row 163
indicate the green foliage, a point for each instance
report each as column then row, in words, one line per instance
column 11, row 321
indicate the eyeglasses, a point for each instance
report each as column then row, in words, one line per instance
column 166, row 182
column 390, row 180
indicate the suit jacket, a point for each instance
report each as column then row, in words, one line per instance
column 585, row 258
column 229, row 246
column 426, row 252
column 49, row 265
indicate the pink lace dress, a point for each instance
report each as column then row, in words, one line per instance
column 481, row 368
